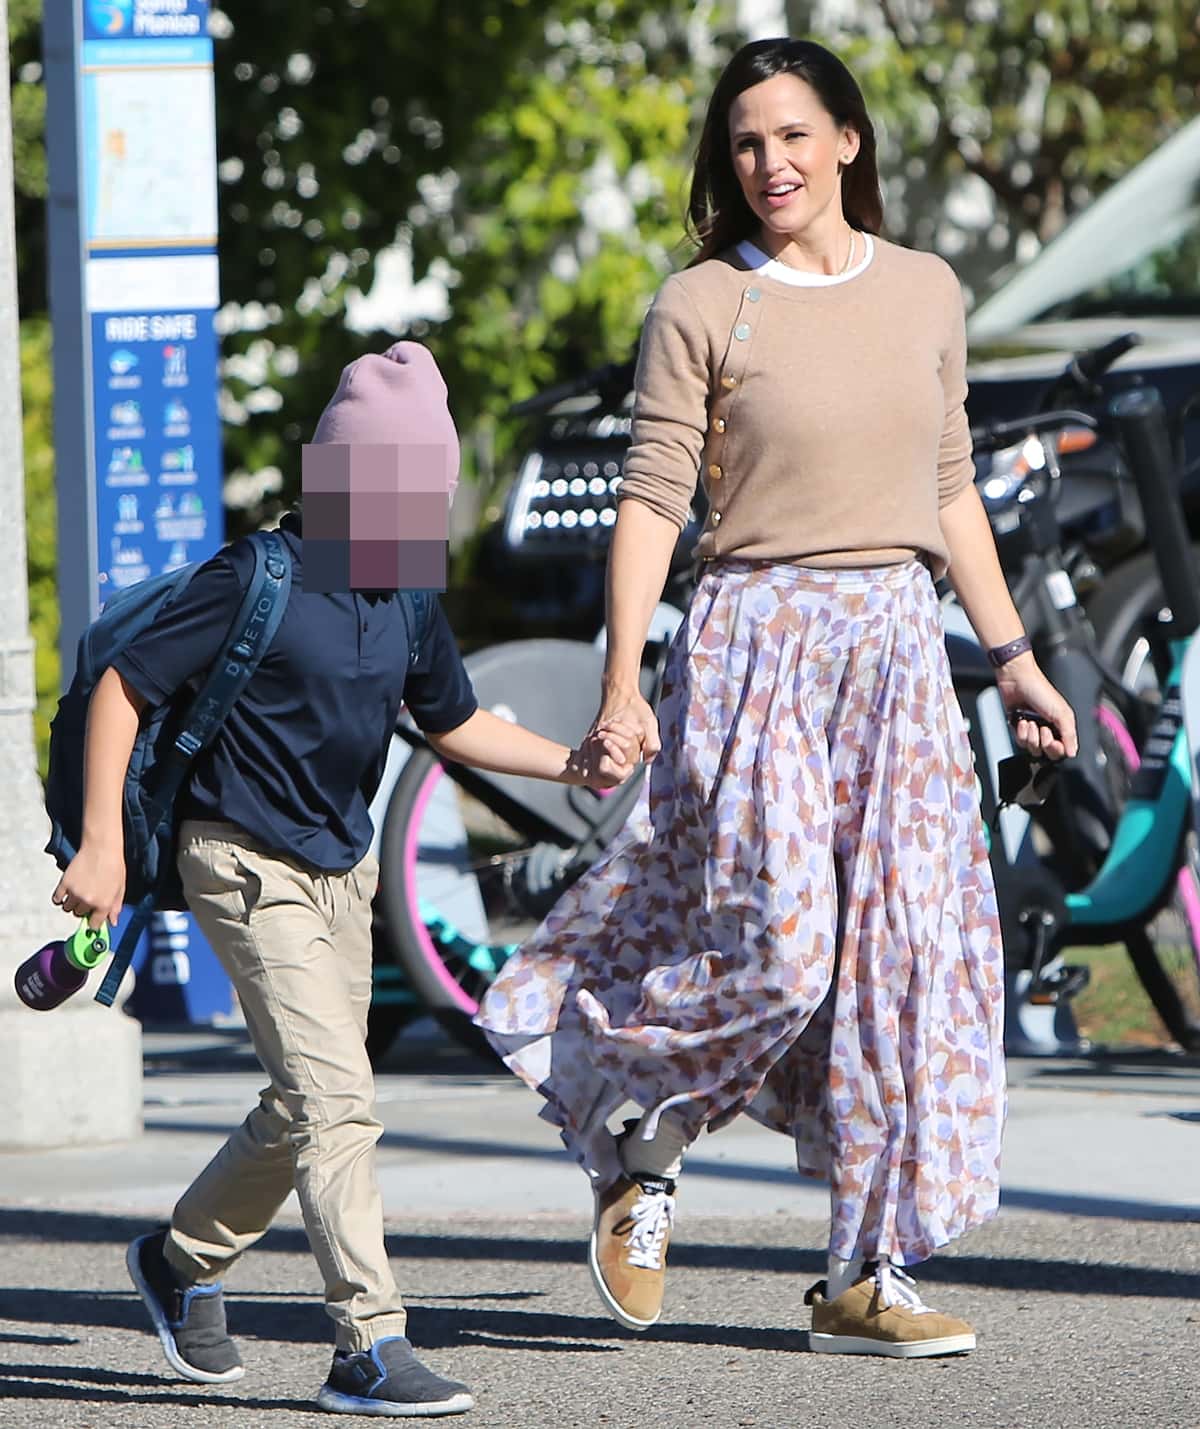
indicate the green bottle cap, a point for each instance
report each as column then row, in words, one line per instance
column 87, row 946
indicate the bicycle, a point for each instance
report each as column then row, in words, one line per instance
column 1059, row 850
column 461, row 898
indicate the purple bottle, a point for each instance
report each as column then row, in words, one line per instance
column 61, row 968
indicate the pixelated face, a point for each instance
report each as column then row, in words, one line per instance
column 376, row 517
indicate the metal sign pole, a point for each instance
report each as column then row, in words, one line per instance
column 73, row 440
column 134, row 294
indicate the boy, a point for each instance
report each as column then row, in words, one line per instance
column 273, row 854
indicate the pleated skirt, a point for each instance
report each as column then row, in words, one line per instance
column 798, row 919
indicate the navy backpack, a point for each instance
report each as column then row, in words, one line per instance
column 170, row 737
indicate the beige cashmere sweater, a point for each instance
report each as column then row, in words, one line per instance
column 826, row 423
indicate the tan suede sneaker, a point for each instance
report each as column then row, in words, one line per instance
column 882, row 1314
column 631, row 1230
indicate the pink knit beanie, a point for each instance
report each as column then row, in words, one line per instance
column 398, row 399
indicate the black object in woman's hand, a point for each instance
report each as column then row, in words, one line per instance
column 1016, row 715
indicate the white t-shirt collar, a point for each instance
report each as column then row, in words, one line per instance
column 770, row 267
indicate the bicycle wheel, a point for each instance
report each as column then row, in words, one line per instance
column 1169, row 993
column 1130, row 593
column 1166, row 954
column 462, row 888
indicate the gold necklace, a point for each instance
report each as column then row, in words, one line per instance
column 845, row 268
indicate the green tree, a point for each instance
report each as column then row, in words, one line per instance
column 478, row 136
column 345, row 127
column 566, row 222
column 29, row 150
column 40, row 516
column 1001, row 119
column 470, row 136
column 532, row 159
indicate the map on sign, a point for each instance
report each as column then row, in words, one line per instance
column 152, row 158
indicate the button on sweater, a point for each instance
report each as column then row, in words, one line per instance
column 826, row 423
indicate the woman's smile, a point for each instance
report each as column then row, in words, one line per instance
column 778, row 195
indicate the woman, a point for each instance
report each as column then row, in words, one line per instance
column 799, row 920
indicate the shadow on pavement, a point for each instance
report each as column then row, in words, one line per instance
column 77, row 1308
column 303, row 1321
column 426, row 1050
column 436, row 1329
column 1112, row 1064
column 15, row 1337
column 1076, row 1277
column 78, row 1383
column 1065, row 1203
column 1013, row 1197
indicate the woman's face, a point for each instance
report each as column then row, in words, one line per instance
column 786, row 148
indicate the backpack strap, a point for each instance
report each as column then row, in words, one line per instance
column 420, row 607
column 249, row 638
column 250, row 635
column 123, row 953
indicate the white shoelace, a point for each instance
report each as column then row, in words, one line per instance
column 653, row 1215
column 896, row 1288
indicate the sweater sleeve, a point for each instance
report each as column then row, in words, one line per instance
column 670, row 411
column 956, row 469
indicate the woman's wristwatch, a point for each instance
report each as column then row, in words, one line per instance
column 1001, row 654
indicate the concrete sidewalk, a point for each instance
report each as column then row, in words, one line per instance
column 1086, row 1291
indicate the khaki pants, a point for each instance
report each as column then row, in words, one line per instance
column 297, row 948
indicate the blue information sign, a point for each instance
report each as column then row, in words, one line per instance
column 141, row 160
column 145, row 19
column 158, row 499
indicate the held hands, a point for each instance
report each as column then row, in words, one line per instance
column 607, row 756
column 93, row 886
column 1023, row 687
column 625, row 730
column 627, row 707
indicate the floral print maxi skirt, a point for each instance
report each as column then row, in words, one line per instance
column 798, row 919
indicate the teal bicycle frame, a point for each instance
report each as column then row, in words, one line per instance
column 1144, row 856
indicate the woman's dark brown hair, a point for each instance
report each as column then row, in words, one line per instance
column 718, row 214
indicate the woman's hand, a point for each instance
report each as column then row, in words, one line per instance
column 93, row 886
column 1023, row 686
column 626, row 707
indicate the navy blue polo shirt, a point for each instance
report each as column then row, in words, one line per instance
column 300, row 757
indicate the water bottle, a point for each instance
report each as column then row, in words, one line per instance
column 61, row 968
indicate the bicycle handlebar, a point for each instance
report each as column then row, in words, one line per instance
column 1096, row 361
column 994, row 435
column 1081, row 376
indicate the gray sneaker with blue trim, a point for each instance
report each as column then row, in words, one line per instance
column 190, row 1319
column 388, row 1379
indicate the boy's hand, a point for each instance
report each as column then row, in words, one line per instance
column 629, row 709
column 608, row 756
column 93, row 886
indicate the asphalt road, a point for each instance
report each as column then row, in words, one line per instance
column 1084, row 1324
column 1085, row 1292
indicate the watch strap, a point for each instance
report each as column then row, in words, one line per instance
column 1001, row 654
